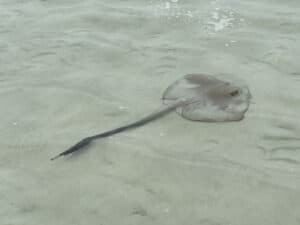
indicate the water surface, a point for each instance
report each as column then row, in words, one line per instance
column 69, row 69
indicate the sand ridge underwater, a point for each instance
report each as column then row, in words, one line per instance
column 69, row 69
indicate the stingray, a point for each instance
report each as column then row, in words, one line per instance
column 195, row 97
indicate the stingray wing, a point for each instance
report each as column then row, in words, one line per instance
column 191, row 86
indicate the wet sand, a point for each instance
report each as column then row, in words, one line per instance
column 70, row 69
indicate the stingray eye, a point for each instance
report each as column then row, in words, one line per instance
column 234, row 93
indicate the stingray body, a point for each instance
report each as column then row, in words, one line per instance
column 196, row 97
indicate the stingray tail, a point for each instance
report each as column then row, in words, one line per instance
column 79, row 145
column 86, row 141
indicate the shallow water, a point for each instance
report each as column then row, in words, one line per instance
column 69, row 69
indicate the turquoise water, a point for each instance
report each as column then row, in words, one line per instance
column 69, row 69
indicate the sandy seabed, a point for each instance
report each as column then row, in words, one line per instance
column 69, row 69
